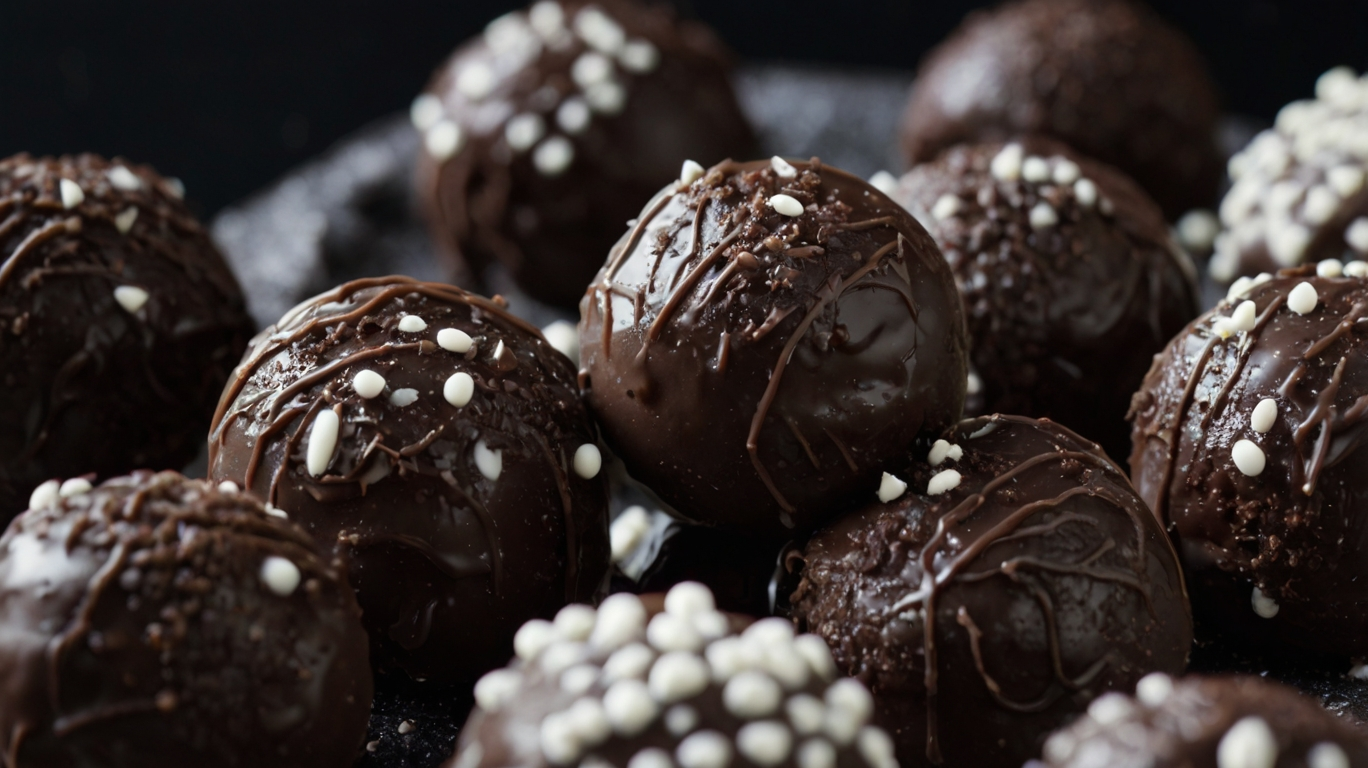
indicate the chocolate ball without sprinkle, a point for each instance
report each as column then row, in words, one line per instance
column 680, row 688
column 766, row 339
column 1014, row 577
column 1207, row 722
column 1070, row 278
column 1107, row 77
column 439, row 445
column 542, row 136
column 119, row 323
column 1248, row 433
column 159, row 621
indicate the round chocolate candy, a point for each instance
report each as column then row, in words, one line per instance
column 1248, row 434
column 1107, row 77
column 160, row 621
column 542, row 136
column 119, row 323
column 1070, row 278
column 766, row 339
column 1009, row 579
column 437, row 443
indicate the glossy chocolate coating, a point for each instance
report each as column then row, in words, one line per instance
column 142, row 630
column 1107, row 77
column 1052, row 584
column 628, row 88
column 1185, row 723
column 91, row 386
column 1294, row 530
column 754, row 369
column 447, row 555
column 737, row 568
column 1064, row 317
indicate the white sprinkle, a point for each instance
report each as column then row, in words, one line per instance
column 368, row 384
column 1249, row 458
column 1263, row 605
column 651, row 757
column 947, row 205
column 1242, row 319
column 476, row 81
column 1035, row 169
column 125, row 219
column 1154, row 689
column 766, row 743
column 608, row 97
column 575, row 622
column 490, row 463
column 1330, row 268
column 1356, row 234
column 426, row 111
column 588, row 461
column 76, row 486
column 1239, row 289
column 458, row 390
column 1110, row 708
column 523, row 131
column 1043, row 216
column 945, row 480
column 1327, row 754
column 816, row 753
column 454, row 340
column 1066, row 171
column 553, row 156
column 497, row 688
column 680, row 720
column 849, row 706
column 751, row 694
column 45, row 495
column 1356, row 269
column 599, row 30
column 628, row 531
column 275, row 511
column 573, row 116
column 1303, row 298
column 712, row 625
column 533, row 637
column 579, row 679
column 704, row 749
column 818, row 656
column 619, row 621
column 1287, row 242
column 590, row 69
column 403, row 398
column 1006, row 166
column 942, row 450
column 877, row 748
column 1086, row 192
column 1346, row 180
column 560, row 656
column 72, row 194
column 1321, row 205
column 884, row 181
column 770, row 631
column 559, row 742
column 443, row 140
column 1264, row 415
column 280, row 575
column 122, row 178
column 668, row 632
column 677, row 675
column 786, row 205
column 1335, row 80
column 639, row 56
column 412, row 324
column 689, row 598
column 689, row 173
column 563, row 337
column 509, row 33
column 131, row 298
column 890, row 488
column 175, row 188
column 1197, row 230
column 323, row 441
column 632, row 661
column 228, row 486
column 783, row 168
column 629, row 707
column 973, row 384
column 806, row 713
column 547, row 18
column 1249, row 743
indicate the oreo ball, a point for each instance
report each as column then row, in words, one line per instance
column 119, row 323
column 438, row 445
column 544, row 135
column 159, row 621
column 766, row 339
column 1070, row 279
column 1010, row 579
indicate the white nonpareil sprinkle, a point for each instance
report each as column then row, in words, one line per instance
column 599, row 31
column 629, row 707
column 275, row 511
column 783, row 168
column 458, row 389
column 1346, row 180
column 680, row 720
column 620, row 620
column 816, row 753
column 690, row 172
column 1085, row 191
column 1154, row 689
column 632, row 661
column 454, row 340
column 1330, row 268
column 175, row 188
column 476, row 81
column 280, row 575
column 1303, row 298
column 806, row 713
column 942, row 450
column 1242, row 320
column 677, row 675
column 766, row 743
column 125, row 219
column 403, row 398
column 553, row 156
column 689, row 598
column 368, row 384
column 814, row 650
column 443, row 140
column 76, row 486
column 890, row 488
column 668, row 632
column 412, row 324
column 1248, row 457
column 1264, row 415
column 590, row 69
column 607, row 97
column 1109, row 708
column 490, row 463
column 947, row 205
column 131, row 298
column 588, row 461
column 72, row 194
column 322, row 441
column 751, row 694
column 559, row 742
column 1006, row 165
column 639, row 56
column 849, row 707
column 628, row 531
column 1356, row 234
column 1197, row 230
column 228, row 486
column 876, row 748
column 1263, row 605
column 575, row 622
column 945, row 480
column 1287, row 242
column 704, row 749
column 1327, row 754
column 426, row 111
column 1249, row 743
column 1035, row 169
column 1043, row 216
column 1066, row 171
column 497, row 688
column 651, row 757
column 563, row 337
column 124, row 179
column 1356, row 268
column 973, row 384
column 1239, row 289
column 884, row 181
column 547, row 18
column 573, row 116
column 45, row 495
column 523, row 131
column 1321, row 205
column 786, row 205
column 532, row 638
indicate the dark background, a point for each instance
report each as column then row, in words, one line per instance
column 229, row 94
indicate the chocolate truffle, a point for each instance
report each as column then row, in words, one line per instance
column 610, row 687
column 1207, row 722
column 119, row 323
column 1010, row 579
column 1070, row 278
column 160, row 621
column 1107, row 77
column 1247, row 446
column 766, row 339
column 545, row 134
column 439, row 444
column 1297, row 193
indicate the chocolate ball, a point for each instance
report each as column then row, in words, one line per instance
column 766, row 339
column 439, row 445
column 119, row 323
column 1070, row 279
column 160, row 621
column 1207, row 722
column 1297, row 194
column 685, row 688
column 1016, row 577
column 1107, row 77
column 545, row 134
column 1247, row 446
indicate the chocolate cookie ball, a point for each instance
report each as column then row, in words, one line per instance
column 544, row 135
column 119, row 323
column 1016, row 577
column 1107, row 77
column 1247, row 446
column 1298, row 193
column 1207, row 722
column 766, row 339
column 160, row 621
column 683, row 688
column 439, row 445
column 1070, row 279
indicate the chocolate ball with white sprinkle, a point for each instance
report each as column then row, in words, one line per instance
column 1248, row 446
column 542, row 136
column 119, row 323
column 1070, row 279
column 621, row 687
column 1000, row 585
column 1207, row 722
column 159, row 621
column 439, row 445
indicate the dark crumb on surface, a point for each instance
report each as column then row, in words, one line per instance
column 413, row 725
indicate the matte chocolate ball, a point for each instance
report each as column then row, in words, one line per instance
column 160, row 621
column 436, row 443
column 119, row 323
column 1014, row 577
column 766, row 339
column 545, row 134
